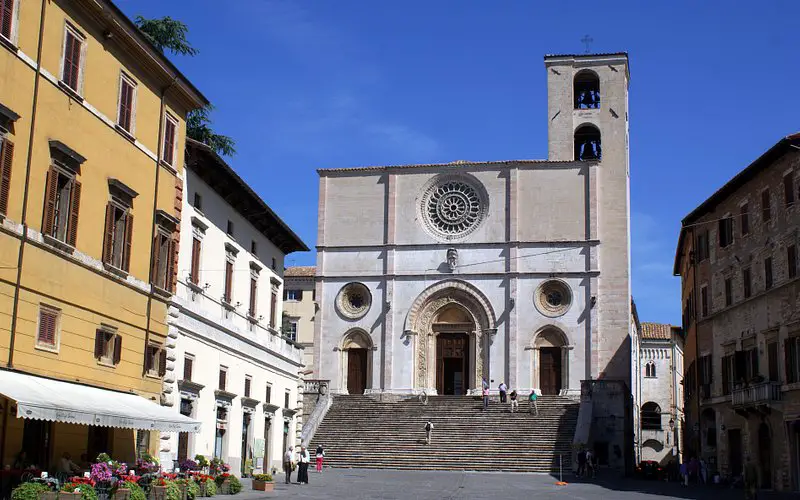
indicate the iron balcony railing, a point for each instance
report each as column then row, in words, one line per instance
column 759, row 394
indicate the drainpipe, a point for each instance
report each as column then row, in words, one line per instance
column 34, row 106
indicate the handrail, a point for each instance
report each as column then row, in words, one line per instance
column 315, row 419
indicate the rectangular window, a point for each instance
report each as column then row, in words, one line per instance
column 291, row 331
column 228, row 281
column 247, row 382
column 223, row 378
column 194, row 273
column 188, row 366
column 142, row 443
column 229, row 229
column 268, row 395
column 772, row 358
column 72, row 63
column 788, row 189
column 768, row 273
column 155, row 361
column 253, row 247
column 766, row 209
column 791, row 352
column 107, row 347
column 725, row 232
column 6, row 159
column 253, row 295
column 274, row 264
column 170, row 140
column 702, row 246
column 118, row 236
column 286, row 399
column 47, row 335
column 294, row 295
column 127, row 103
column 198, row 202
column 273, row 306
column 746, row 283
column 791, row 261
column 728, row 292
column 163, row 261
column 744, row 218
column 62, row 201
column 727, row 374
column 704, row 301
column 7, row 18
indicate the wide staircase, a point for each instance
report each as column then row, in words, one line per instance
column 359, row 431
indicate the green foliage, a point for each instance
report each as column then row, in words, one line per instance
column 167, row 33
column 137, row 493
column 103, row 457
column 263, row 477
column 198, row 127
column 173, row 491
column 201, row 460
column 87, row 491
column 28, row 491
column 211, row 487
column 236, row 485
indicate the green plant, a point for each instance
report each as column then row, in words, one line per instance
column 28, row 491
column 201, row 460
column 211, row 487
column 137, row 493
column 103, row 457
column 87, row 491
column 173, row 491
column 192, row 488
column 263, row 477
column 235, row 485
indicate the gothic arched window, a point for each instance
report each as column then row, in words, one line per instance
column 651, row 416
column 587, row 143
column 586, row 87
column 650, row 369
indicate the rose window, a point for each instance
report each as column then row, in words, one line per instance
column 353, row 300
column 553, row 298
column 453, row 207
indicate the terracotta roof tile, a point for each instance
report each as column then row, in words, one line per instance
column 657, row 331
column 300, row 272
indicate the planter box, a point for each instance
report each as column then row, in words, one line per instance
column 263, row 485
column 122, row 494
column 158, row 493
column 184, row 489
column 64, row 495
column 48, row 495
column 224, row 488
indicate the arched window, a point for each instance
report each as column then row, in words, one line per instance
column 650, row 369
column 587, row 143
column 587, row 90
column 651, row 416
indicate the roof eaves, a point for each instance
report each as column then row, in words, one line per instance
column 456, row 164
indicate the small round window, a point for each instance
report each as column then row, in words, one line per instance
column 353, row 300
column 553, row 298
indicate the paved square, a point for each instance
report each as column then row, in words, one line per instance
column 423, row 485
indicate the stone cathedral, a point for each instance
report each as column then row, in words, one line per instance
column 436, row 277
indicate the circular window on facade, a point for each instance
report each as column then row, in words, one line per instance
column 453, row 206
column 553, row 298
column 353, row 300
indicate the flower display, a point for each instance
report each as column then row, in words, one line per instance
column 101, row 472
column 188, row 465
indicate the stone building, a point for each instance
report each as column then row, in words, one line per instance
column 660, row 374
column 737, row 258
column 299, row 308
column 229, row 367
column 434, row 277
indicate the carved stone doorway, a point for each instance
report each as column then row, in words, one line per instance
column 550, row 362
column 356, row 361
column 452, row 363
column 356, row 371
column 550, row 370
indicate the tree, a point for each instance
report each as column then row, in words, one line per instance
column 170, row 34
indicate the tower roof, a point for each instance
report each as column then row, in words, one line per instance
column 598, row 54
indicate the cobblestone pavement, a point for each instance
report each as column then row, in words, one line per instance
column 423, row 485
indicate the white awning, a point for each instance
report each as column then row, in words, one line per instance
column 45, row 399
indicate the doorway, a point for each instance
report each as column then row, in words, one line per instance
column 735, row 452
column 246, row 417
column 36, row 442
column 764, row 456
column 452, row 363
column 356, row 371
column 550, row 370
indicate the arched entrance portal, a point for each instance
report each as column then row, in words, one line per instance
column 356, row 361
column 551, row 361
column 451, row 323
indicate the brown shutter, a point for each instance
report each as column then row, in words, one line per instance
column 126, row 253
column 117, row 349
column 162, row 362
column 108, row 238
column 169, row 279
column 99, row 336
column 253, row 290
column 74, row 208
column 47, row 328
column 156, row 252
column 148, row 358
column 195, row 274
column 6, row 156
column 228, row 280
column 51, row 186
column 7, row 16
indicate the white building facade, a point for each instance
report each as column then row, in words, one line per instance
column 436, row 277
column 228, row 364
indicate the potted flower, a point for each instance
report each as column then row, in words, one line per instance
column 131, row 484
column 202, row 462
column 207, row 486
column 223, row 483
column 164, row 488
column 263, row 482
column 30, row 491
column 78, row 489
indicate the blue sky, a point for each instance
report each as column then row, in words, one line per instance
column 323, row 83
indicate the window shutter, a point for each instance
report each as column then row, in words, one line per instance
column 789, row 355
column 195, row 273
column 148, row 359
column 7, row 15
column 6, row 156
column 228, row 280
column 117, row 349
column 108, row 241
column 162, row 362
column 126, row 253
column 50, row 202
column 99, row 336
column 47, row 328
column 156, row 254
column 74, row 207
column 169, row 279
column 253, row 290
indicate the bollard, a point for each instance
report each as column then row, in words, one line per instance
column 560, row 471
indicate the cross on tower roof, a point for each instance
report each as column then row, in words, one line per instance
column 587, row 40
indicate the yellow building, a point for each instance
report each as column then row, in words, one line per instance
column 92, row 122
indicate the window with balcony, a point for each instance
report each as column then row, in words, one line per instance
column 745, row 365
column 291, row 330
column 194, row 272
column 651, row 416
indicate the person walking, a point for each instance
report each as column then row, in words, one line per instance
column 703, row 471
column 684, row 472
column 302, row 466
column 514, row 402
column 320, row 454
column 428, row 431
column 581, row 461
column 532, row 406
column 485, row 398
column 750, row 480
column 590, row 465
column 288, row 458
column 503, row 388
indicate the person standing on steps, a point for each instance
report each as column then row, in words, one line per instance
column 514, row 402
column 320, row 454
column 302, row 466
column 503, row 388
column 288, row 457
column 532, row 406
column 485, row 398
column 428, row 431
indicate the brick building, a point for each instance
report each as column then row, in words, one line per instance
column 737, row 258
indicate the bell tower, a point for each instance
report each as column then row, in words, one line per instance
column 587, row 113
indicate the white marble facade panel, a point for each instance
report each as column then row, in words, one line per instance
column 355, row 215
column 552, row 202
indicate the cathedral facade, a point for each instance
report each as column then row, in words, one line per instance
column 433, row 278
